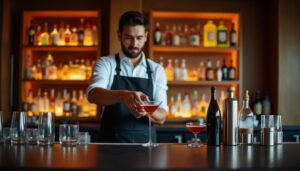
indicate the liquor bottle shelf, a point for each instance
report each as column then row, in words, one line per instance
column 62, row 48
column 57, row 82
column 175, row 49
column 204, row 83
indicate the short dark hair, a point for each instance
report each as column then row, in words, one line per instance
column 132, row 18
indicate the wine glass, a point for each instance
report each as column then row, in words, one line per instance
column 150, row 107
column 195, row 128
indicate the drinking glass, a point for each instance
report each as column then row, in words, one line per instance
column 195, row 128
column 278, row 129
column 267, row 121
column 68, row 134
column 6, row 135
column 46, row 130
column 32, row 136
column 18, row 128
column 150, row 107
column 84, row 138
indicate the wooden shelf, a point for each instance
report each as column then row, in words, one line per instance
column 202, row 83
column 64, row 14
column 174, row 49
column 56, row 82
column 184, row 120
column 194, row 15
column 62, row 48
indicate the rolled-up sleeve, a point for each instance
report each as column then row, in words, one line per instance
column 100, row 75
column 160, row 89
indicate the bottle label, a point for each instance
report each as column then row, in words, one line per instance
column 233, row 38
column 67, row 107
column 222, row 37
column 211, row 36
column 157, row 37
column 258, row 108
column 31, row 32
column 195, row 39
column 231, row 74
column 210, row 74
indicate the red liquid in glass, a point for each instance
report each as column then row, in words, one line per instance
column 195, row 129
column 150, row 108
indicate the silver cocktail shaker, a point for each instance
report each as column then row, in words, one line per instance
column 230, row 120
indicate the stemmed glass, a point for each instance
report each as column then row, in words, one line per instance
column 195, row 128
column 150, row 107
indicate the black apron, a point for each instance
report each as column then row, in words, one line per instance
column 117, row 122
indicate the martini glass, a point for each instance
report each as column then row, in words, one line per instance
column 195, row 128
column 150, row 107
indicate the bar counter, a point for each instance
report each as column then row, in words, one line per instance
column 135, row 157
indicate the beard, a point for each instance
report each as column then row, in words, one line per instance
column 129, row 51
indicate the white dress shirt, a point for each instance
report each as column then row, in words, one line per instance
column 104, row 72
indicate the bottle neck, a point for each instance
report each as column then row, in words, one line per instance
column 231, row 94
column 245, row 103
column 213, row 96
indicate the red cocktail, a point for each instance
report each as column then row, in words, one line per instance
column 195, row 128
column 150, row 107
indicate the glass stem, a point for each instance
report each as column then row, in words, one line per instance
column 195, row 137
column 150, row 140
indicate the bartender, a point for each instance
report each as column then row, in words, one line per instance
column 121, row 81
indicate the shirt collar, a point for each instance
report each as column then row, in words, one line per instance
column 124, row 58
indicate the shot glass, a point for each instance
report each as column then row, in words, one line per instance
column 31, row 136
column 6, row 135
column 46, row 129
column 278, row 129
column 18, row 128
column 84, row 138
column 267, row 121
column 68, row 134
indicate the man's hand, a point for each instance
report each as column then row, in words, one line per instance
column 133, row 100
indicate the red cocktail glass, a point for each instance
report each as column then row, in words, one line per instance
column 195, row 128
column 150, row 107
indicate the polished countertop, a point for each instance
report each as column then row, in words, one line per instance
column 100, row 156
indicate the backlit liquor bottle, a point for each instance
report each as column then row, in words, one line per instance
column 61, row 35
column 246, row 122
column 67, row 104
column 209, row 71
column 183, row 71
column 59, row 105
column 28, row 71
column 168, row 36
column 157, row 34
column 169, row 71
column 231, row 71
column 52, row 101
column 201, row 71
column 203, row 105
column 184, row 37
column 81, row 32
column 39, row 70
column 38, row 33
column 218, row 71
column 94, row 34
column 186, row 103
column 176, row 37
column 194, row 37
column 46, row 102
column 222, row 38
column 178, row 106
column 213, row 120
column 233, row 37
column 67, row 35
column 74, row 106
column 39, row 103
column 88, row 36
column 54, row 36
column 74, row 37
column 210, row 34
column 45, row 35
column 32, row 104
column 195, row 104
column 83, row 70
column 80, row 103
column 88, row 70
column 172, row 108
column 257, row 106
column 176, row 70
column 266, row 105
column 224, row 70
column 31, row 32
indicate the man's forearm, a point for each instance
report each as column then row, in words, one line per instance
column 159, row 116
column 105, row 97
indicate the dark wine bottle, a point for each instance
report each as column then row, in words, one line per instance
column 213, row 120
column 31, row 32
column 224, row 70
column 157, row 34
column 232, row 36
